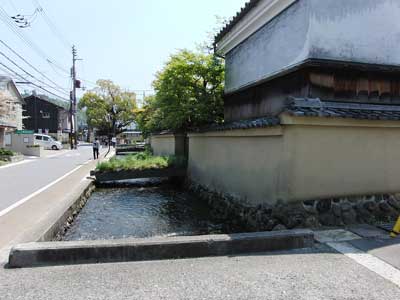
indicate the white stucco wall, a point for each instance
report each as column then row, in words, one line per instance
column 20, row 143
column 163, row 145
column 328, row 160
column 243, row 163
column 305, row 159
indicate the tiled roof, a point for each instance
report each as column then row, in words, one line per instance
column 243, row 124
column 317, row 108
column 248, row 6
column 306, row 107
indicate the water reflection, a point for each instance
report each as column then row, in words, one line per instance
column 141, row 213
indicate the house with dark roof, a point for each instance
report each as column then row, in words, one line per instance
column 312, row 110
column 45, row 116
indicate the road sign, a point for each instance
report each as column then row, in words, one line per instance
column 24, row 132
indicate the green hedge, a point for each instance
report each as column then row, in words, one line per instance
column 6, row 152
column 140, row 161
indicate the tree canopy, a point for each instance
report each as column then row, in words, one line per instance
column 188, row 94
column 108, row 108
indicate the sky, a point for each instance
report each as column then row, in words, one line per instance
column 126, row 41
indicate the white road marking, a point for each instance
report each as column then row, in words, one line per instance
column 16, row 164
column 29, row 159
column 22, row 201
column 58, row 154
column 369, row 261
column 73, row 155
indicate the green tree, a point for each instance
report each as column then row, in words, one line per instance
column 108, row 108
column 189, row 94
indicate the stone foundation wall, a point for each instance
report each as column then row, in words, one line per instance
column 239, row 216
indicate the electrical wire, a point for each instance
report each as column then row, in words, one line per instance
column 52, row 26
column 34, row 84
column 64, row 91
column 25, row 21
column 6, row 19
column 29, row 64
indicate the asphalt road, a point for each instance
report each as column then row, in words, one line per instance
column 21, row 180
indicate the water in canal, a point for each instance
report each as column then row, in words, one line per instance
column 141, row 213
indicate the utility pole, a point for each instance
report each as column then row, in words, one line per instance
column 70, row 120
column 74, row 96
column 75, row 84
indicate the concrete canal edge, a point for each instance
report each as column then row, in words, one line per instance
column 61, row 225
column 59, row 222
column 138, row 174
column 112, row 251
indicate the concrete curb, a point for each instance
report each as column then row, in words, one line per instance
column 58, row 228
column 87, row 252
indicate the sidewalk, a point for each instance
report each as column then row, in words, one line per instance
column 30, row 219
column 308, row 274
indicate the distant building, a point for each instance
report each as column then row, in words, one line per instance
column 11, row 103
column 130, row 135
column 44, row 116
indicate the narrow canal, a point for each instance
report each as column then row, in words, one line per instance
column 141, row 213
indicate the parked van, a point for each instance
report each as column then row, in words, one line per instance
column 47, row 142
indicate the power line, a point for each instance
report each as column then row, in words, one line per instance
column 30, row 82
column 29, row 64
column 29, row 74
column 52, row 26
column 128, row 89
column 6, row 19
column 8, row 73
column 25, row 21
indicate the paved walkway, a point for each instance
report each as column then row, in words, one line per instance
column 22, row 179
column 311, row 274
column 44, row 199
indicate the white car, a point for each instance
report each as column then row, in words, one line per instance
column 47, row 142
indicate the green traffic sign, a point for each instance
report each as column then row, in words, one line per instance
column 24, row 132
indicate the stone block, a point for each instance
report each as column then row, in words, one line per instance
column 84, row 252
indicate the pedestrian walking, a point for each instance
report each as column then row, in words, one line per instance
column 96, row 146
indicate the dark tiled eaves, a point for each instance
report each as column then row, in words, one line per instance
column 317, row 108
column 244, row 124
column 248, row 6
